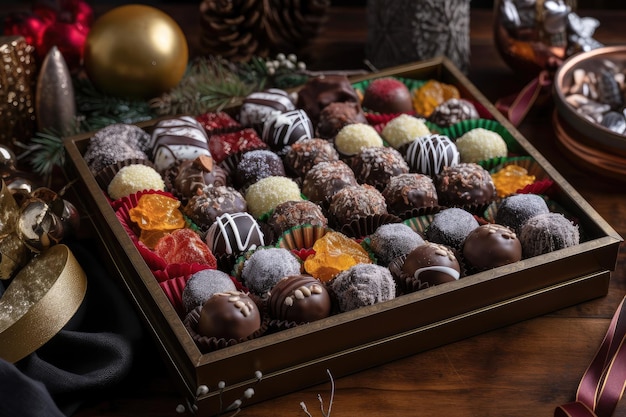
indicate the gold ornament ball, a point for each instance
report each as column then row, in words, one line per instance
column 135, row 51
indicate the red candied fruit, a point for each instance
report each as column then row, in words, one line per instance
column 216, row 122
column 185, row 246
column 223, row 145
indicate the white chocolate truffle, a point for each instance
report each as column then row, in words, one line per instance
column 134, row 178
column 354, row 137
column 404, row 129
column 480, row 144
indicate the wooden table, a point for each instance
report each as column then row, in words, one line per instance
column 522, row 370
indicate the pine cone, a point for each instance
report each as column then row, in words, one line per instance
column 291, row 24
column 233, row 29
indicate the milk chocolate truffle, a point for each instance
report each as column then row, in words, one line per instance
column 203, row 284
column 491, row 245
column 515, row 209
column 116, row 143
column 392, row 240
column 319, row 92
column 299, row 299
column 210, row 202
column 229, row 315
column 430, row 154
column 451, row 226
column 264, row 195
column 296, row 213
column 363, row 285
column 356, row 201
column 480, row 145
column 258, row 164
column 547, row 232
column 387, row 95
column 177, row 138
column 351, row 139
column 306, row 153
column 453, row 111
column 265, row 267
column 283, row 129
column 406, row 192
column 465, row 184
column 233, row 234
column 336, row 115
column 258, row 106
column 431, row 264
column 404, row 129
column 325, row 179
column 376, row 165
column 191, row 175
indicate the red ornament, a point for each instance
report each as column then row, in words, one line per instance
column 61, row 23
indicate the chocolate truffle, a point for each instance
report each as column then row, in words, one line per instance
column 233, row 234
column 453, row 111
column 192, row 175
column 515, row 209
column 203, row 284
column 265, row 267
column 325, row 179
column 404, row 129
column 177, row 138
column 465, row 184
column 430, row 154
column 134, row 178
column 406, row 192
column 481, row 145
column 210, row 202
column 336, row 115
column 299, row 299
column 491, row 245
column 229, row 315
column 267, row 193
column 258, row 164
column 547, row 232
column 392, row 240
column 116, row 143
column 430, row 264
column 363, row 285
column 258, row 106
column 354, row 202
column 305, row 153
column 376, row 165
column 354, row 137
column 387, row 95
column 295, row 213
column 283, row 129
column 451, row 226
column 319, row 92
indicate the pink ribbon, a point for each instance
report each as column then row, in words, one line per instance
column 517, row 106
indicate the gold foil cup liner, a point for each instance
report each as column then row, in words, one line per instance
column 51, row 288
column 301, row 237
column 364, row 226
column 173, row 289
column 211, row 344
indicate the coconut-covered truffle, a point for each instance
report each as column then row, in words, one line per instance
column 325, row 179
column 451, row 226
column 453, row 111
column 515, row 209
column 376, row 165
column 480, row 145
column 430, row 154
column 265, row 267
column 177, row 138
column 356, row 201
column 548, row 232
column 203, row 284
column 134, row 178
column 392, row 240
column 465, row 184
column 404, row 129
column 363, row 285
column 336, row 115
column 211, row 202
column 267, row 193
column 296, row 213
column 116, row 143
column 354, row 137
column 306, row 153
column 407, row 192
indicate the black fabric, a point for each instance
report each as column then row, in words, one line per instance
column 93, row 353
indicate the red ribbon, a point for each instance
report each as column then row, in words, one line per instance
column 602, row 385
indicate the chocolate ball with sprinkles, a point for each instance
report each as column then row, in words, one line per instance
column 325, row 179
column 407, row 192
column 234, row 234
column 256, row 165
column 376, row 165
column 177, row 138
column 210, row 202
column 281, row 130
column 354, row 202
column 337, row 115
column 258, row 106
column 116, row 143
column 296, row 213
column 430, row 154
column 453, row 111
column 465, row 184
column 306, row 153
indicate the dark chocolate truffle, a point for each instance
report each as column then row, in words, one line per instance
column 453, row 111
column 387, row 95
column 233, row 234
column 211, row 202
column 203, row 284
column 295, row 213
column 392, row 240
column 336, row 115
column 325, row 179
column 284, row 129
column 451, row 226
column 376, row 165
column 491, row 245
column 431, row 264
column 515, row 209
column 191, row 175
column 407, row 192
column 430, row 154
column 258, row 164
column 299, row 299
column 319, row 92
column 363, row 285
column 465, row 184
column 356, row 201
column 229, row 315
column 306, row 153
column 265, row 267
column 547, row 232
column 261, row 105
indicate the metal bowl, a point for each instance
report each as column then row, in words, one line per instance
column 591, row 62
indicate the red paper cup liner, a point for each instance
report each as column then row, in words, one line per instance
column 131, row 201
column 154, row 261
column 178, row 270
column 173, row 289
